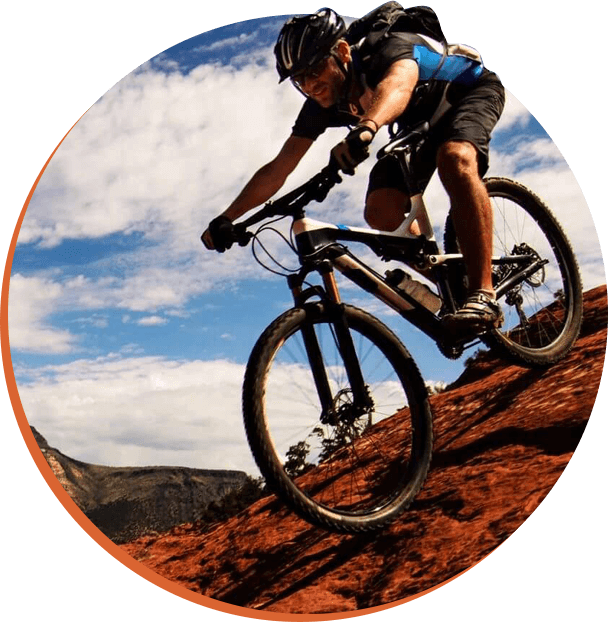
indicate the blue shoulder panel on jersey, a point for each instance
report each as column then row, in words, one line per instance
column 454, row 69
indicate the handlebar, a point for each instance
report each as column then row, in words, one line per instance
column 315, row 189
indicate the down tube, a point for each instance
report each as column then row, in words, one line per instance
column 419, row 316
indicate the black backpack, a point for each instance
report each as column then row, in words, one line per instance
column 391, row 16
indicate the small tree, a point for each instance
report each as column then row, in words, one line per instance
column 343, row 434
column 296, row 463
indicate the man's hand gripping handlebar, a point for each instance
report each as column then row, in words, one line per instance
column 222, row 233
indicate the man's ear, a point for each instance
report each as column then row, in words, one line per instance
column 343, row 51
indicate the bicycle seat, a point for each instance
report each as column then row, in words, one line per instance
column 405, row 138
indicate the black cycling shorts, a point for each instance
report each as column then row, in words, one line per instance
column 471, row 119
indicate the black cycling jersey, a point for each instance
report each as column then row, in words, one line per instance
column 441, row 75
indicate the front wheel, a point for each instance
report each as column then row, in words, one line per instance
column 351, row 466
column 543, row 313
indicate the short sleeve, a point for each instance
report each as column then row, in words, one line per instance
column 311, row 122
column 397, row 46
column 313, row 119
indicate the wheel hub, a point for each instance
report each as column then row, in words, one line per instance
column 345, row 411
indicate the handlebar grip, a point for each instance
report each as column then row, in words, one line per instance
column 204, row 241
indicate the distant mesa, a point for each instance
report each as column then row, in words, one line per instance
column 126, row 502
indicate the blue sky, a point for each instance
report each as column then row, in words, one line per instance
column 128, row 338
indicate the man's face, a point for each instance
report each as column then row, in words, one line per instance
column 324, row 82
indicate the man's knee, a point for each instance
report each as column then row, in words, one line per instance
column 457, row 160
column 385, row 208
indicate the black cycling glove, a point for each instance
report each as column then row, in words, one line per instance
column 221, row 231
column 353, row 149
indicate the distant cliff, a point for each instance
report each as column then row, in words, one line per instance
column 126, row 502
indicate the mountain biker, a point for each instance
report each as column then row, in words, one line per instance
column 403, row 78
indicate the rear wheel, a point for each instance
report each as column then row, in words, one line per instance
column 350, row 467
column 543, row 314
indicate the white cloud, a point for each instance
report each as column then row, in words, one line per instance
column 160, row 153
column 31, row 301
column 141, row 411
column 552, row 180
column 514, row 115
column 134, row 411
column 95, row 320
column 225, row 43
column 152, row 320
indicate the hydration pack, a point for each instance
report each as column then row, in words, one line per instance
column 392, row 17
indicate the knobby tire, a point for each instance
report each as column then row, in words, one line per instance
column 544, row 326
column 357, row 471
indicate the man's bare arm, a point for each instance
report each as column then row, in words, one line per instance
column 266, row 182
column 393, row 93
column 269, row 179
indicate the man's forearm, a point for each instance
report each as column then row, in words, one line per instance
column 263, row 185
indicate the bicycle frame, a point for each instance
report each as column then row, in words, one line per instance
column 320, row 249
column 318, row 242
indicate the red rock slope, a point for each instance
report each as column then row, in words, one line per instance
column 503, row 437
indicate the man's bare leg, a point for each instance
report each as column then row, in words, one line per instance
column 471, row 210
column 473, row 219
column 386, row 209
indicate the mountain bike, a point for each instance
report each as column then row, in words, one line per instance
column 336, row 411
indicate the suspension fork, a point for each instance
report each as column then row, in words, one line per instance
column 346, row 347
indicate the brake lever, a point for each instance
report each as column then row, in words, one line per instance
column 241, row 235
column 406, row 140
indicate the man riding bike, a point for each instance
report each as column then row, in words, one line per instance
column 403, row 78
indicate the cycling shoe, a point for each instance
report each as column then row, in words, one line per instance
column 479, row 313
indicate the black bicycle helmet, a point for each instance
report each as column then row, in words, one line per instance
column 305, row 40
